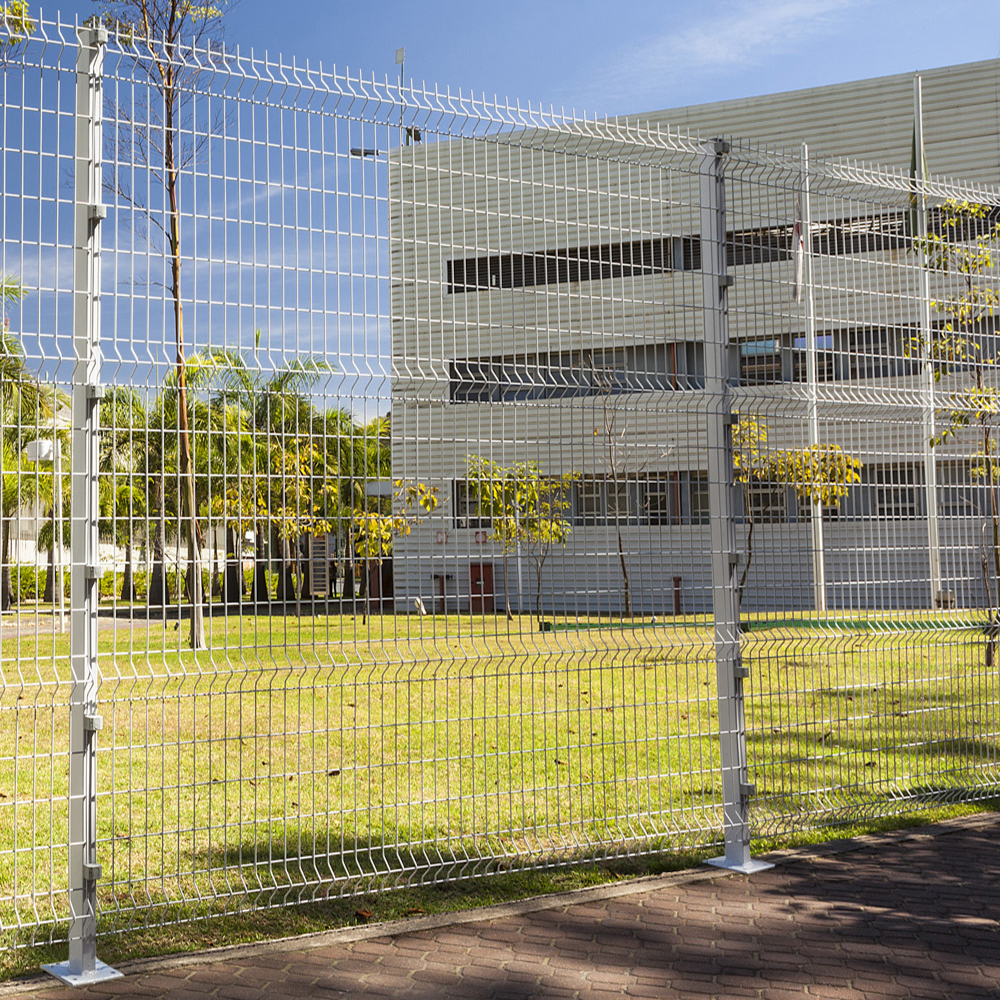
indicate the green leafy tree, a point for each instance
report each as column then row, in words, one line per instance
column 821, row 474
column 964, row 347
column 529, row 511
column 374, row 528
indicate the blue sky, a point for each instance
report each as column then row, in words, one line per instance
column 582, row 56
column 614, row 59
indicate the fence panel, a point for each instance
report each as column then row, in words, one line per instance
column 417, row 442
column 866, row 445
column 36, row 269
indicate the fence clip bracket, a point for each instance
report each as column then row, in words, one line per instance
column 94, row 34
column 748, row 788
column 92, row 871
column 95, row 393
column 98, row 213
column 93, row 723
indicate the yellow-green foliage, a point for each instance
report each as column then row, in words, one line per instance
column 15, row 22
column 374, row 530
column 822, row 473
column 526, row 507
column 967, row 313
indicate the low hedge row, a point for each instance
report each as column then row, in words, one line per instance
column 28, row 583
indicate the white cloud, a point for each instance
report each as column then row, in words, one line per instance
column 740, row 34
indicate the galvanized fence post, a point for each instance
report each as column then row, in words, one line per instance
column 736, row 789
column 83, row 966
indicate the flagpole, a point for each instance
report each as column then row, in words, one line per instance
column 929, row 419
column 804, row 293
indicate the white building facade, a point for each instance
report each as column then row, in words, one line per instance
column 549, row 307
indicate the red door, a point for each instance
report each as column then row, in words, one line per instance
column 481, row 581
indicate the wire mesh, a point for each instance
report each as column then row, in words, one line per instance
column 404, row 494
column 866, row 438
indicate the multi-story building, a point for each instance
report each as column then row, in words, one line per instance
column 548, row 307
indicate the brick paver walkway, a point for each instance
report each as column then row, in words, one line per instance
column 906, row 915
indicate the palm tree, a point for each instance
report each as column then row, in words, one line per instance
column 123, row 446
column 25, row 407
column 283, row 482
column 57, row 514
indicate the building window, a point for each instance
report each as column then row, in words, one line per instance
column 698, row 493
column 659, row 254
column 590, row 501
column 466, row 511
column 474, row 380
column 658, row 501
column 766, row 501
column 880, row 352
column 679, row 497
column 569, row 374
column 621, row 259
column 957, row 494
column 619, row 499
column 896, row 491
column 826, row 369
column 760, row 362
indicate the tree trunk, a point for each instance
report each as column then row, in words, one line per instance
column 128, row 581
column 48, row 594
column 194, row 586
column 365, row 595
column 334, row 567
column 305, row 587
column 278, row 546
column 159, row 585
column 348, row 571
column 506, row 588
column 6, row 592
column 260, row 593
column 286, row 575
column 49, row 591
column 232, row 586
column 626, row 582
column 538, row 594
column 189, row 510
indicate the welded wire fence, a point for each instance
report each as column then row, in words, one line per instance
column 434, row 475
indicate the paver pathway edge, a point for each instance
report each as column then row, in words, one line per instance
column 536, row 904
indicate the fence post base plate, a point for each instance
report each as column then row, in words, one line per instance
column 747, row 867
column 101, row 973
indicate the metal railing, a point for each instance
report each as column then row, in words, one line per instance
column 450, row 487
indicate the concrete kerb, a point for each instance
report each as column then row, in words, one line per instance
column 499, row 911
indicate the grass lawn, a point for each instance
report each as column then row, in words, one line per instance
column 319, row 759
